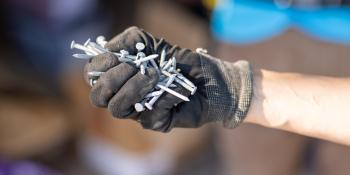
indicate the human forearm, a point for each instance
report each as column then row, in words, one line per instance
column 219, row 91
column 315, row 106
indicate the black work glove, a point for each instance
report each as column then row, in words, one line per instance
column 223, row 95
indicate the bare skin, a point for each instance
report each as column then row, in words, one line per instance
column 315, row 106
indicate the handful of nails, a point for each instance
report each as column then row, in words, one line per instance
column 169, row 75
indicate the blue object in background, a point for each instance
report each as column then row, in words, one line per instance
column 252, row 21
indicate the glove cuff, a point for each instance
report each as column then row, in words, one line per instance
column 229, row 94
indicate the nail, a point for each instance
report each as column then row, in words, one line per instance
column 124, row 53
column 88, row 51
column 139, row 55
column 142, row 69
column 129, row 57
column 87, row 42
column 139, row 107
column 140, row 46
column 194, row 90
column 173, row 92
column 182, row 83
column 155, row 93
column 172, row 86
column 82, row 56
column 186, row 80
column 123, row 56
column 95, row 73
column 150, row 57
column 181, row 77
column 174, row 63
column 101, row 40
column 94, row 49
column 92, row 82
column 97, row 47
column 162, row 58
column 167, row 65
column 186, row 86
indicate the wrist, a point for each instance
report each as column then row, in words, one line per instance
column 256, row 104
column 268, row 88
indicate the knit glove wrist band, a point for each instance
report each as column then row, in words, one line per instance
column 229, row 96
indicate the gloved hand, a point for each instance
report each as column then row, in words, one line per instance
column 223, row 95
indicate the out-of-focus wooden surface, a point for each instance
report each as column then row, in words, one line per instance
column 30, row 127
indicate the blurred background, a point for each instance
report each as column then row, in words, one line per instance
column 48, row 126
